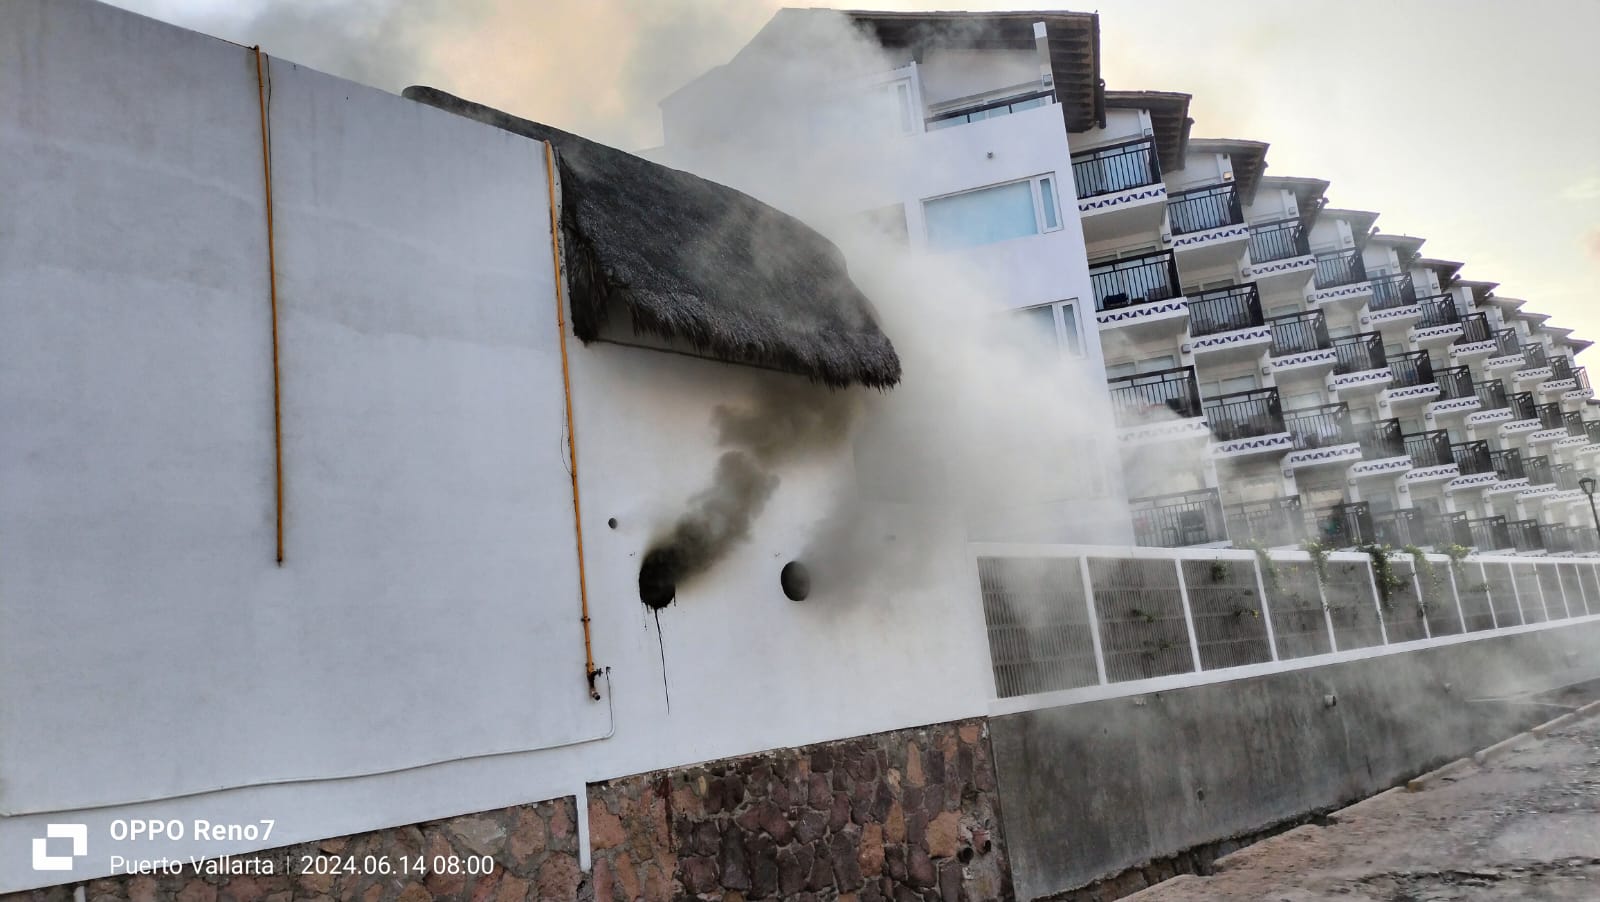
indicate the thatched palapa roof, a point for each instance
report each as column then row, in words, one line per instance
column 689, row 260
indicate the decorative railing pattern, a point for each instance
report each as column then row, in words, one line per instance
column 1505, row 343
column 1523, row 406
column 1108, row 170
column 1454, row 382
column 1472, row 458
column 1533, row 356
column 1549, row 416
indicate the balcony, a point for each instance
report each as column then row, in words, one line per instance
column 1449, row 528
column 1525, row 536
column 1492, row 395
column 1429, row 449
column 1438, row 310
column 1539, row 470
column 1207, row 225
column 1275, row 521
column 1591, row 428
column 1161, row 396
column 1550, row 416
column 1380, row 439
column 1339, row 268
column 1523, row 409
column 1567, row 477
column 1247, row 415
column 991, row 110
column 1360, row 363
column 1280, row 255
column 1178, row 520
column 1533, row 356
column 1457, row 393
column 1555, row 538
column 1490, row 534
column 1320, row 435
column 1342, row 525
column 1560, row 367
column 1411, row 380
column 1139, row 292
column 1476, row 339
column 1119, row 189
column 1226, row 324
column 1574, row 423
column 1391, row 292
column 1472, row 458
column 1401, row 528
column 1507, row 463
column 1507, row 353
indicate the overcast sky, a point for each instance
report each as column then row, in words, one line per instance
column 1471, row 123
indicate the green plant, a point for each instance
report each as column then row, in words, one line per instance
column 1269, row 567
column 1383, row 574
column 1426, row 570
column 1319, row 557
column 1241, row 610
column 1219, row 571
column 1136, row 613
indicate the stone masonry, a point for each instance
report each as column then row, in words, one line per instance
column 906, row 815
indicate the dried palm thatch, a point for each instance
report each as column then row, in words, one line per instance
column 694, row 261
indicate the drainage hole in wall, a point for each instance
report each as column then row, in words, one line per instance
column 796, row 581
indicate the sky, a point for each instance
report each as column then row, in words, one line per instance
column 1471, row 123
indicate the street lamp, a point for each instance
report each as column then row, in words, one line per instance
column 1587, row 484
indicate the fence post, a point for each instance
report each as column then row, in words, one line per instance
column 1094, row 619
column 1511, row 575
column 1266, row 609
column 1455, row 592
column 1188, row 616
column 1488, row 594
column 1377, row 599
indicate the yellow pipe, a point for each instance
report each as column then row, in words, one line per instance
column 589, row 671
column 272, row 283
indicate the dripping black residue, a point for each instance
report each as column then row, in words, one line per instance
column 660, row 643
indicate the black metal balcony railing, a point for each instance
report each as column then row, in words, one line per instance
column 1410, row 368
column 1343, row 525
column 1505, row 343
column 1591, row 428
column 1491, row 394
column 1340, row 268
column 1554, row 537
column 1430, row 448
column 1560, row 367
column 1573, row 420
column 1584, row 540
column 1490, row 533
column 1567, row 477
column 1437, row 310
column 1474, row 328
column 1319, row 427
column 1507, row 464
column 1454, row 382
column 1471, row 458
column 1297, row 333
column 1525, row 535
column 1279, row 240
column 1580, row 375
column 1449, row 528
column 1380, row 439
column 1400, row 528
column 1179, row 519
column 1116, row 168
column 1539, row 470
column 1135, row 280
column 1225, row 310
column 1523, row 406
column 1354, row 353
column 1274, row 521
column 1244, row 414
column 1533, row 357
column 1391, row 291
column 991, row 110
column 1203, row 209
column 1145, row 397
column 1550, row 416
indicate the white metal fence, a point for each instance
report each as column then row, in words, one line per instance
column 1076, row 622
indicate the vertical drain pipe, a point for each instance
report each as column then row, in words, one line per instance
column 272, row 285
column 589, row 671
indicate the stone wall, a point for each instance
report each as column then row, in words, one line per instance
column 907, row 815
column 534, row 847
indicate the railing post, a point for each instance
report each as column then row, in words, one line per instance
column 1488, row 594
column 1377, row 601
column 1563, row 584
column 1511, row 575
column 1266, row 609
column 1327, row 615
column 1455, row 592
column 1188, row 616
column 1416, row 583
column 1094, row 619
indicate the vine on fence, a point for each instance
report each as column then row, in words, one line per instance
column 1425, row 569
column 1319, row 557
column 1383, row 574
column 1269, row 567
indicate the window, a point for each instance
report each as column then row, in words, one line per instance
column 995, row 213
column 1057, row 326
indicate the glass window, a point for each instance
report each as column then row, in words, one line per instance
column 1057, row 325
column 1157, row 364
column 1071, row 337
column 1239, row 383
column 1047, row 203
column 981, row 217
column 1118, row 370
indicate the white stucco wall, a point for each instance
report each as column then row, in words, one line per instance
column 155, row 662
